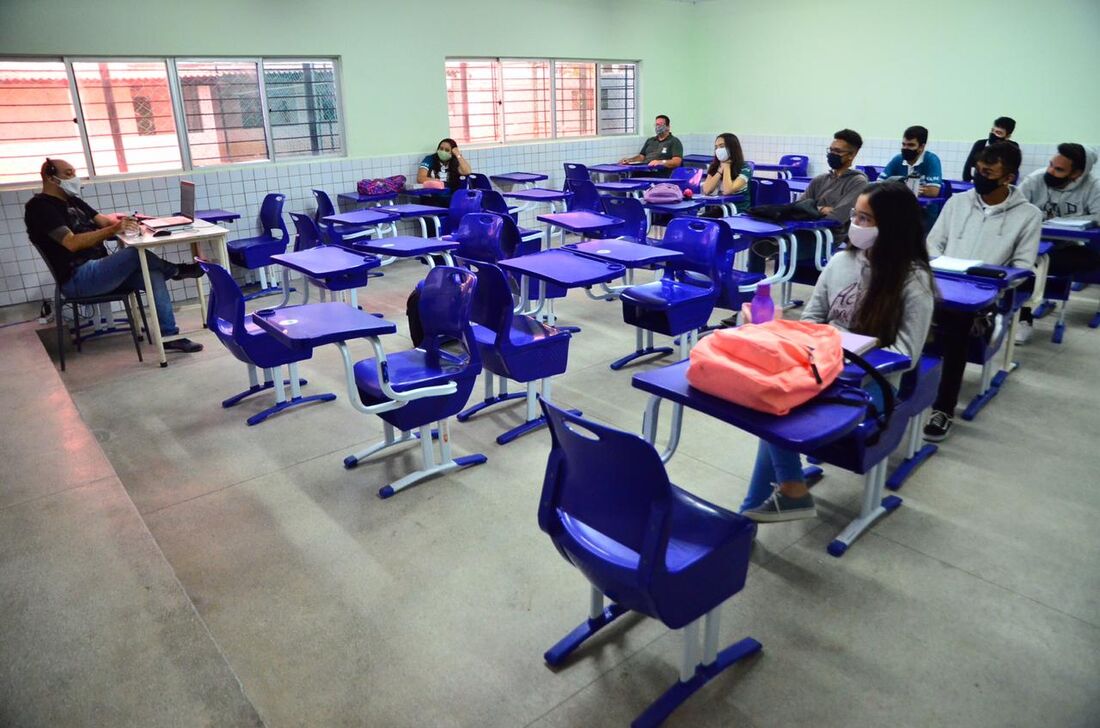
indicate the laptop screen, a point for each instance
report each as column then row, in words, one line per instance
column 187, row 199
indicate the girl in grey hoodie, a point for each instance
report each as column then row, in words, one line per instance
column 880, row 286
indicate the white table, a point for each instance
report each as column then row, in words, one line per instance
column 201, row 232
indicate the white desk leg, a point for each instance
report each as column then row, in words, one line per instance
column 154, row 320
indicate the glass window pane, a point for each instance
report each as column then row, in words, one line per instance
column 302, row 108
column 526, row 100
column 575, row 97
column 128, row 116
column 222, row 111
column 473, row 102
column 37, row 120
column 618, row 98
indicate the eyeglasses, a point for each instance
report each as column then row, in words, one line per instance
column 862, row 219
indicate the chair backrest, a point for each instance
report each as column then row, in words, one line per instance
column 324, row 206
column 871, row 171
column 446, row 297
column 225, row 310
column 769, row 191
column 576, row 171
column 683, row 173
column 585, row 196
column 49, row 264
column 475, row 181
column 479, row 237
column 493, row 201
column 612, row 481
column 701, row 244
column 271, row 214
column 306, row 233
column 630, row 210
column 493, row 304
column 799, row 162
column 463, row 201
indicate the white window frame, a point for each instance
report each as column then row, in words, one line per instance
column 498, row 70
column 175, row 92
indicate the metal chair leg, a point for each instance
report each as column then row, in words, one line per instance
column 59, row 321
column 133, row 329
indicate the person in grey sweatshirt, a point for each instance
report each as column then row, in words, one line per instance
column 880, row 286
column 1066, row 188
column 992, row 223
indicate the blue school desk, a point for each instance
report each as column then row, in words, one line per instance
column 328, row 267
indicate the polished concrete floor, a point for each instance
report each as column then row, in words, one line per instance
column 977, row 603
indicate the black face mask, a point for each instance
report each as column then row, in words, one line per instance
column 1055, row 183
column 909, row 155
column 835, row 160
column 993, row 139
column 984, row 185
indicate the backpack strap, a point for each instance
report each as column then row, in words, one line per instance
column 889, row 398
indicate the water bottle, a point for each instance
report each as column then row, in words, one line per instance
column 762, row 309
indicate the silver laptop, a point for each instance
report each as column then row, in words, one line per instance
column 187, row 211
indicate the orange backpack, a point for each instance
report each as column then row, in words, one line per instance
column 770, row 367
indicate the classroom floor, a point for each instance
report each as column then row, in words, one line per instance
column 977, row 603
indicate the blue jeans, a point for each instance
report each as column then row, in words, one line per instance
column 778, row 465
column 106, row 275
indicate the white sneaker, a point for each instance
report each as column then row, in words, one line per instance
column 1024, row 330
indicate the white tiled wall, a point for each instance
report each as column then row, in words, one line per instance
column 24, row 278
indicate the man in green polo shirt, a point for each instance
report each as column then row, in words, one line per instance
column 662, row 150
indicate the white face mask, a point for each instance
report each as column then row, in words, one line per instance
column 722, row 154
column 70, row 187
column 862, row 237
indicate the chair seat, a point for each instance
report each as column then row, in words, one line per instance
column 529, row 232
column 255, row 252
column 664, row 294
column 257, row 347
column 411, row 369
column 534, row 351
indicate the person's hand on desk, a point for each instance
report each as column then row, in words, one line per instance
column 929, row 190
column 656, row 163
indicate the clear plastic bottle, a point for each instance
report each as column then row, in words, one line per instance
column 762, row 308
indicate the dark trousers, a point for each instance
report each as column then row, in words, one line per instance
column 1068, row 261
column 953, row 331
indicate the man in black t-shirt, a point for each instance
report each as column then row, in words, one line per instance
column 1001, row 131
column 70, row 234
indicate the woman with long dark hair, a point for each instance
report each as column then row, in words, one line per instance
column 728, row 174
column 445, row 165
column 881, row 285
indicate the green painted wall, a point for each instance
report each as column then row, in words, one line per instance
column 795, row 67
column 812, row 67
column 392, row 51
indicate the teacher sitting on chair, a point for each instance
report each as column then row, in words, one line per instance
column 70, row 233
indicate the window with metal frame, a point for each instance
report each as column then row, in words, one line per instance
column 37, row 120
column 127, row 111
column 494, row 101
column 302, row 108
column 227, row 125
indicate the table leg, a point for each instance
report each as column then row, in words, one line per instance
column 154, row 320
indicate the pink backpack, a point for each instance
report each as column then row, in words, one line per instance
column 663, row 192
column 381, row 186
column 770, row 367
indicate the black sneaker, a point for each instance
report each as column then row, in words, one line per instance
column 185, row 345
column 938, row 427
column 187, row 270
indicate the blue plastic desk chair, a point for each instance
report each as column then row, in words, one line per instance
column 644, row 543
column 871, row 171
column 585, row 196
column 769, row 191
column 475, row 181
column 412, row 389
column 463, row 201
column 576, row 171
column 681, row 302
column 307, row 236
column 736, row 286
column 630, row 210
column 255, row 253
column 681, row 175
column 336, row 234
column 800, row 164
column 918, row 390
column 493, row 201
column 512, row 346
column 255, row 347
